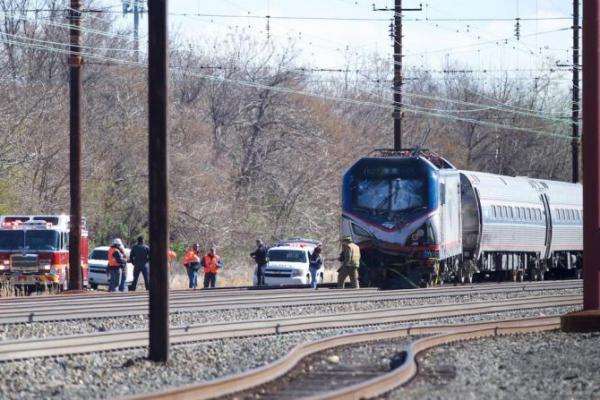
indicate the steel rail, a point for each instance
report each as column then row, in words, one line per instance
column 119, row 308
column 370, row 388
column 53, row 346
column 272, row 291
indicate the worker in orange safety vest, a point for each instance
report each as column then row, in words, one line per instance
column 211, row 263
column 191, row 261
column 117, row 263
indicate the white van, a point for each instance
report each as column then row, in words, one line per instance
column 289, row 263
column 98, row 264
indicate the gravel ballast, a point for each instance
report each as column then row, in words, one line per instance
column 78, row 327
column 119, row 373
column 550, row 365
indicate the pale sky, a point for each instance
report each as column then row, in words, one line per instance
column 484, row 44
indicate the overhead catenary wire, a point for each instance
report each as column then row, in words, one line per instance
column 528, row 112
column 286, row 90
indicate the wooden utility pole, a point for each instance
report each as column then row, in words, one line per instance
column 75, row 62
column 158, row 216
column 397, row 36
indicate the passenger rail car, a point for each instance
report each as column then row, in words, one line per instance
column 418, row 220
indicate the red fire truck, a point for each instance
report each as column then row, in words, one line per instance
column 34, row 251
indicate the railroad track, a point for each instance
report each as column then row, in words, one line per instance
column 105, row 341
column 67, row 307
column 289, row 378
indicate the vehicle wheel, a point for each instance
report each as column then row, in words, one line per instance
column 94, row 286
column 322, row 279
column 307, row 280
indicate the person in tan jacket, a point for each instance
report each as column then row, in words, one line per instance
column 350, row 259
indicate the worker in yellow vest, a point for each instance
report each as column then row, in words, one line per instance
column 350, row 259
column 211, row 263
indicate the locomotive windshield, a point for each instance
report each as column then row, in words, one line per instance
column 388, row 192
column 393, row 195
column 29, row 240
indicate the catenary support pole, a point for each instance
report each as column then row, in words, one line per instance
column 158, row 180
column 75, row 61
column 575, row 99
column 137, row 9
column 589, row 319
column 398, row 75
column 397, row 38
column 591, row 155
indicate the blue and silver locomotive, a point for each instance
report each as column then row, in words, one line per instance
column 418, row 220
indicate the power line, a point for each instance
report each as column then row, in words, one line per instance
column 291, row 91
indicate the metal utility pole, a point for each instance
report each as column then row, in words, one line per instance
column 591, row 155
column 398, row 75
column 397, row 114
column 589, row 319
column 158, row 216
column 575, row 111
column 136, row 8
column 136, row 29
column 75, row 61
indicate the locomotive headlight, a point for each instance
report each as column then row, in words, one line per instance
column 360, row 231
column 418, row 237
column 423, row 235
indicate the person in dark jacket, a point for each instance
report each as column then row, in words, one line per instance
column 315, row 263
column 260, row 257
column 140, row 258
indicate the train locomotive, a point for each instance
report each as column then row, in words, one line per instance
column 419, row 221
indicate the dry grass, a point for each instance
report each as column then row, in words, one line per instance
column 228, row 276
column 240, row 275
column 9, row 289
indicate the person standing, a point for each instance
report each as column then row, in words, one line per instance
column 117, row 261
column 350, row 259
column 211, row 263
column 140, row 258
column 260, row 257
column 315, row 263
column 191, row 261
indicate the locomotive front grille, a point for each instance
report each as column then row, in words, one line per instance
column 24, row 262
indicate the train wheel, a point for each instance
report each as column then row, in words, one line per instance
column 470, row 277
column 459, row 271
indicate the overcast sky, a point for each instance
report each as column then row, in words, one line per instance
column 488, row 44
